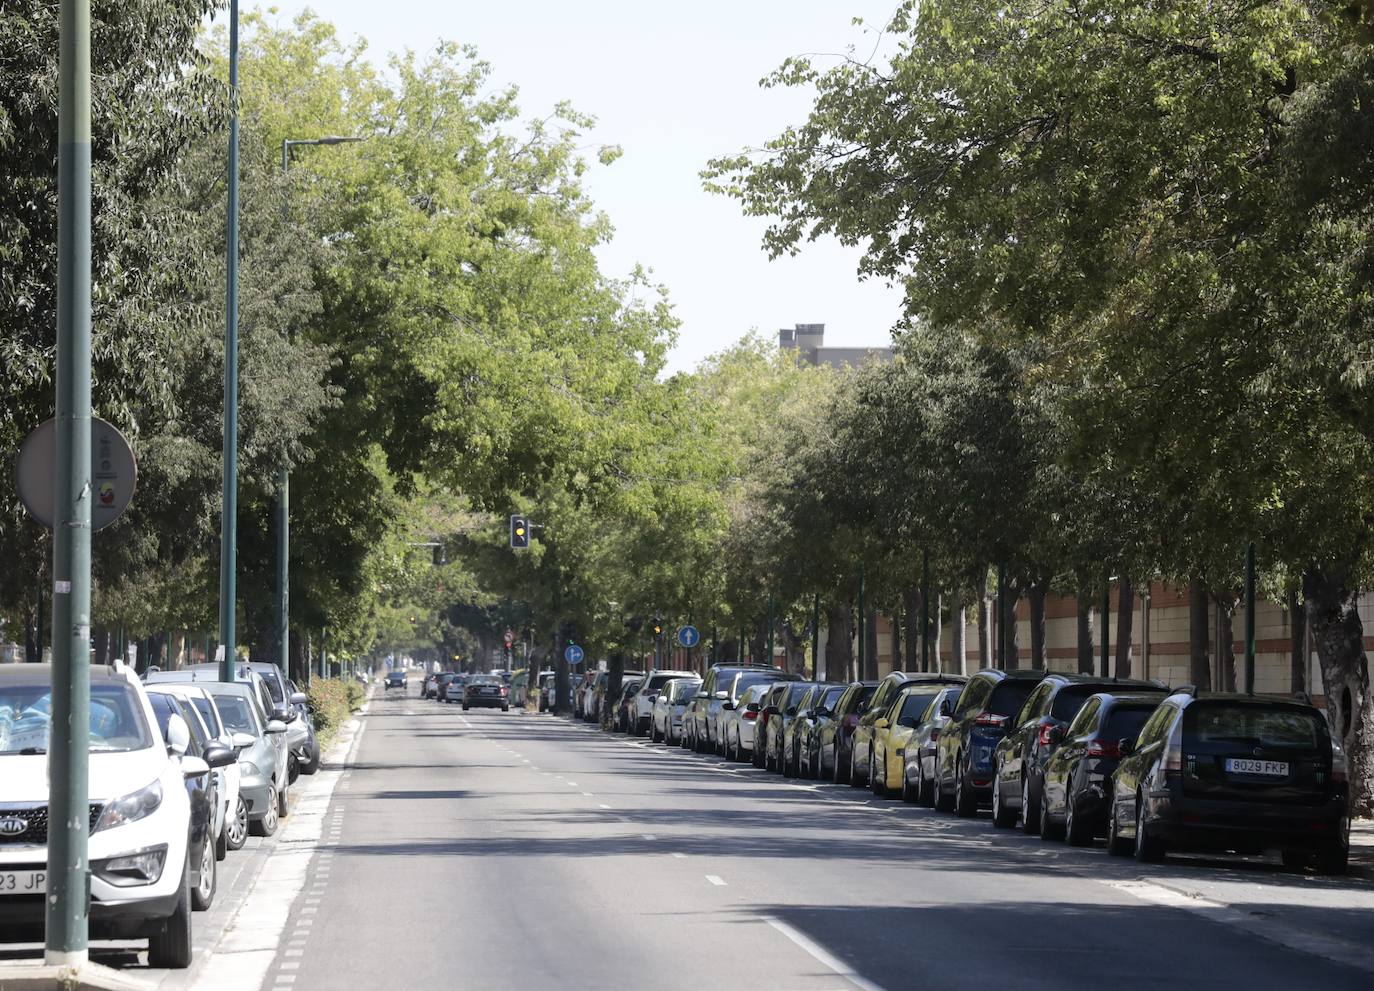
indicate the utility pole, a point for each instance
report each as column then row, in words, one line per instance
column 68, row 891
column 229, row 499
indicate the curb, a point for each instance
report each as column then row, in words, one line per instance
column 43, row 977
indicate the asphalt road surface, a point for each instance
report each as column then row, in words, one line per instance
column 486, row 850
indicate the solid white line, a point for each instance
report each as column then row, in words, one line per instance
column 604, row 806
column 679, row 856
column 821, row 955
column 649, row 836
column 587, row 794
column 715, row 880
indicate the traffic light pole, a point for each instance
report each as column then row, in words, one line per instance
column 67, row 922
column 228, row 521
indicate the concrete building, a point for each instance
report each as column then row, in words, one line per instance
column 808, row 339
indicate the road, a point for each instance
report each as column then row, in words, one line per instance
column 489, row 850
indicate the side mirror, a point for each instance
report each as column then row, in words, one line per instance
column 1056, row 735
column 298, row 698
column 242, row 741
column 283, row 714
column 178, row 735
column 194, row 767
column 218, row 755
column 880, row 723
column 722, row 695
column 275, row 726
column 729, row 707
column 702, row 695
column 651, row 696
column 946, row 708
column 1126, row 745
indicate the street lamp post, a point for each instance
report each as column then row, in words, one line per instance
column 229, row 495
column 283, row 511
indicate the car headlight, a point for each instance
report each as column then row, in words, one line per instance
column 131, row 807
column 141, row 867
column 249, row 768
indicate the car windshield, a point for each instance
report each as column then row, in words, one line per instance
column 484, row 679
column 206, row 710
column 1070, row 700
column 915, row 705
column 117, row 723
column 237, row 713
column 1252, row 725
column 1009, row 695
column 273, row 687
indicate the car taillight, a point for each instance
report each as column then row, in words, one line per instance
column 746, row 714
column 1102, row 748
column 504, row 690
column 1338, row 765
column 990, row 719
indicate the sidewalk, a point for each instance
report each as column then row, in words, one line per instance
column 1362, row 848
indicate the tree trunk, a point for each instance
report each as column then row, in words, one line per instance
column 935, row 626
column 1039, row 655
column 1125, row 613
column 1084, row 601
column 839, row 643
column 984, row 631
column 615, row 676
column 1297, row 643
column 1199, row 651
column 958, row 632
column 896, row 624
column 871, row 644
column 1226, row 643
column 1333, row 613
column 1009, row 601
column 300, row 663
column 911, row 618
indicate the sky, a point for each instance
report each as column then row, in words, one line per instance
column 673, row 85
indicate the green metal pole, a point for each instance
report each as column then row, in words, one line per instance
column 1106, row 625
column 770, row 629
column 284, row 509
column 228, row 523
column 1250, row 618
column 816, row 638
column 68, row 883
column 863, row 628
column 925, row 611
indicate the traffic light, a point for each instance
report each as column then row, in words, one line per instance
column 658, row 629
column 519, row 532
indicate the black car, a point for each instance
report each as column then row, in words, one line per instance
column 486, row 690
column 1073, row 799
column 1233, row 773
column 395, row 679
column 837, row 734
column 1019, row 762
column 783, row 710
column 978, row 721
column 811, row 720
column 768, row 709
column 624, row 706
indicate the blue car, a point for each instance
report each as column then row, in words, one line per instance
column 977, row 723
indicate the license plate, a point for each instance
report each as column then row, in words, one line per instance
column 1247, row 765
column 23, row 882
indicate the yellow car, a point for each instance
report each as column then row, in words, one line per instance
column 891, row 733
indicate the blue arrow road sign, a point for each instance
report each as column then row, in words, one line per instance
column 689, row 636
column 573, row 654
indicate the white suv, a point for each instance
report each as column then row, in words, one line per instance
column 642, row 704
column 141, row 878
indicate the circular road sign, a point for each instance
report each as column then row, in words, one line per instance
column 114, row 474
column 573, row 654
column 689, row 636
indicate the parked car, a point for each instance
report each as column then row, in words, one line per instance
column 724, row 683
column 666, row 724
column 487, row 691
column 142, row 868
column 812, row 727
column 623, row 711
column 441, row 684
column 582, row 688
column 1073, row 799
column 599, row 702
column 1018, row 764
column 300, row 731
column 548, row 685
column 310, row 762
column 768, row 709
column 893, row 731
column 429, row 688
column 783, row 709
column 1234, row 773
column 978, row 721
column 642, row 703
column 207, row 676
column 918, row 770
column 796, row 726
column 739, row 721
column 862, row 737
column 451, row 691
column 190, row 738
column 395, row 678
column 837, row 733
column 227, row 776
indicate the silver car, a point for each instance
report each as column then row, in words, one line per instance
column 665, row 722
column 738, row 720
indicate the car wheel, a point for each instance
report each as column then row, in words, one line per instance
column 1049, row 830
column 965, row 804
column 874, row 785
column 203, row 894
column 1002, row 817
column 1333, row 857
column 222, row 840
column 908, row 792
column 925, row 788
column 943, row 802
column 466, row 707
column 267, row 825
column 854, row 781
column 169, row 942
column 835, row 772
column 236, row 829
column 1030, row 809
column 1148, row 849
column 1077, row 829
column 1116, row 845
column 505, row 708
column 313, row 764
column 282, row 808
column 293, row 769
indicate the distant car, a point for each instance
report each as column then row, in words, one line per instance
column 860, row 758
column 487, row 691
column 724, row 683
column 739, row 721
column 783, row 708
column 395, row 679
column 581, row 691
column 978, row 721
column 837, row 733
column 623, row 712
column 811, row 728
column 441, row 684
column 643, row 701
column 918, row 771
column 548, row 685
column 290, row 706
column 1233, row 773
column 599, row 702
column 1073, row 800
column 893, row 731
column 1021, row 755
column 666, row 721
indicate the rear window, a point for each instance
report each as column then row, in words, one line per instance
column 795, row 693
column 913, row 706
column 1252, row 725
column 1070, row 700
column 684, row 690
column 1126, row 722
column 659, row 680
column 1009, row 695
column 749, row 679
column 831, row 697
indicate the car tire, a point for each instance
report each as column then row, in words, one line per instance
column 965, row 804
column 1333, row 857
column 466, row 707
column 943, row 802
column 1117, row 846
column 283, row 796
column 222, row 840
column 505, row 708
column 169, row 942
column 836, row 772
column 1148, row 849
column 312, row 766
column 1030, row 809
column 1002, row 817
column 853, row 780
column 236, row 832
column 203, row 894
column 293, row 769
column 1049, row 829
column 908, row 792
column 1077, row 828
column 267, row 825
column 878, row 789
